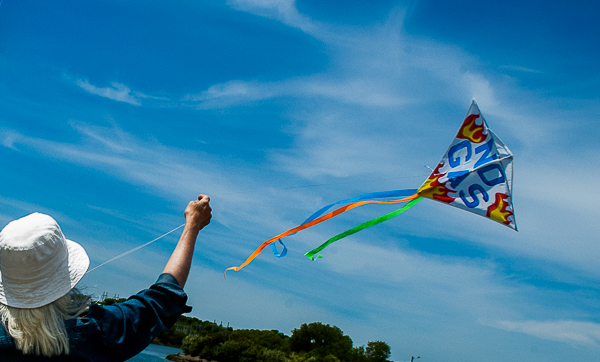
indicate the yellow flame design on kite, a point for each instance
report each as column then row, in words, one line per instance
column 435, row 190
column 472, row 131
column 499, row 209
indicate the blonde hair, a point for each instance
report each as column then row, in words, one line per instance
column 41, row 331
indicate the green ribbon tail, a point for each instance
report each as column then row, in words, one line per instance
column 354, row 230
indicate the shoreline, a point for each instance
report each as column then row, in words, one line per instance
column 182, row 357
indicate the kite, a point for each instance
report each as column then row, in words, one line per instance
column 475, row 174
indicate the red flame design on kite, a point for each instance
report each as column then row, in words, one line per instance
column 499, row 209
column 433, row 189
column 472, row 131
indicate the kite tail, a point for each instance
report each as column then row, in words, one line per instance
column 363, row 197
column 283, row 252
column 360, row 227
column 314, row 222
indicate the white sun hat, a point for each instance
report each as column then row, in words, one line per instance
column 38, row 265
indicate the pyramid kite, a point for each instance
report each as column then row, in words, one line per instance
column 475, row 174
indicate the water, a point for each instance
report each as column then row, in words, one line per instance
column 154, row 353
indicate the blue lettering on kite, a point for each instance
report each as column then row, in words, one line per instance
column 492, row 166
column 455, row 162
column 486, row 148
column 472, row 189
column 457, row 177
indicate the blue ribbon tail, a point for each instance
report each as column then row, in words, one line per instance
column 283, row 252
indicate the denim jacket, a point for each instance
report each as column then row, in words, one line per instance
column 117, row 332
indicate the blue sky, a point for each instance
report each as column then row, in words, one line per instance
column 113, row 115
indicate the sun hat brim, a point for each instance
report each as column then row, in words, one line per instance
column 50, row 286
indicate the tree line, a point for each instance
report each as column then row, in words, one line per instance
column 312, row 342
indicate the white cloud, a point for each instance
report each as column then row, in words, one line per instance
column 282, row 10
column 167, row 172
column 234, row 92
column 118, row 92
column 229, row 89
column 481, row 89
column 358, row 91
column 381, row 68
column 119, row 153
column 116, row 139
column 8, row 141
column 582, row 333
column 518, row 68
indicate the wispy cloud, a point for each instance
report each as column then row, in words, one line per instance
column 118, row 92
column 115, row 139
column 346, row 91
column 118, row 153
column 379, row 67
column 582, row 333
column 8, row 140
column 282, row 10
column 518, row 68
column 167, row 171
column 234, row 92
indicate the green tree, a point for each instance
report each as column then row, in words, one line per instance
column 321, row 340
column 358, row 355
column 111, row 301
column 192, row 345
column 204, row 346
column 252, row 345
column 272, row 339
column 171, row 337
column 231, row 351
column 272, row 355
column 314, row 342
column 378, row 351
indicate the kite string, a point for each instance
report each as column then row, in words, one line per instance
column 134, row 249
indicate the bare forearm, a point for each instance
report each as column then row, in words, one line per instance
column 180, row 262
column 197, row 216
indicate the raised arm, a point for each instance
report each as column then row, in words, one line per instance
column 197, row 216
